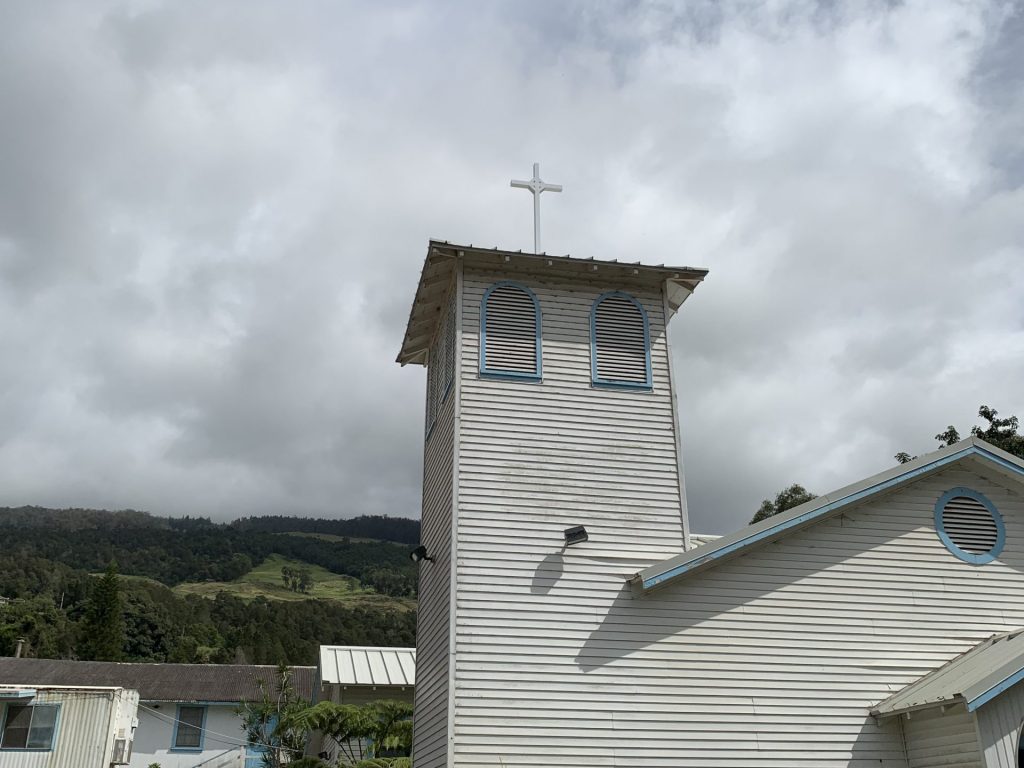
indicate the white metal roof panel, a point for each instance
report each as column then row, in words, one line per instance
column 973, row 678
column 367, row 665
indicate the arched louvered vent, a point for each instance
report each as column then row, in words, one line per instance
column 969, row 525
column 510, row 332
column 620, row 344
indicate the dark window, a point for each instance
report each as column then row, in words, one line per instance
column 189, row 732
column 29, row 726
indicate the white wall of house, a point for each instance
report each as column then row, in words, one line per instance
column 430, row 736
column 937, row 739
column 771, row 659
column 154, row 737
column 534, row 459
column 999, row 725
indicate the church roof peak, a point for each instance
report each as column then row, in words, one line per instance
column 798, row 518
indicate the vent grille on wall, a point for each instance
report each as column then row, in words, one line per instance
column 510, row 332
column 621, row 350
column 970, row 525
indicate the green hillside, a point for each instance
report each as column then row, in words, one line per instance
column 265, row 581
column 192, row 590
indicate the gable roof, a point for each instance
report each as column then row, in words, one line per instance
column 972, row 678
column 365, row 665
column 228, row 683
column 972, row 449
column 439, row 267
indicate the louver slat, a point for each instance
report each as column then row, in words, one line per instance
column 970, row 525
column 510, row 332
column 620, row 343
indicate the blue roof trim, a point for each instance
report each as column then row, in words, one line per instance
column 940, row 528
column 995, row 690
column 823, row 510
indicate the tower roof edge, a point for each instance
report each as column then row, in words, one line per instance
column 442, row 256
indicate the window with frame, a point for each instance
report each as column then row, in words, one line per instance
column 510, row 332
column 188, row 728
column 620, row 343
column 29, row 726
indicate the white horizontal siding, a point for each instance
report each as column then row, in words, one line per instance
column 942, row 740
column 999, row 725
column 771, row 659
column 430, row 725
column 534, row 459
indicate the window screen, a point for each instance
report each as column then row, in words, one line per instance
column 29, row 726
column 189, row 734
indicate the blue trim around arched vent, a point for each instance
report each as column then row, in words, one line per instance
column 968, row 557
column 498, row 373
column 596, row 380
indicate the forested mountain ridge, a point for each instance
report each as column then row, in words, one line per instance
column 47, row 558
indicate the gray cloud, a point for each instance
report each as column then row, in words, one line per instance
column 212, row 220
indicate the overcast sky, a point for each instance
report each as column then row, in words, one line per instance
column 213, row 216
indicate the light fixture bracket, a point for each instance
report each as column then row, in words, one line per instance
column 420, row 553
column 575, row 535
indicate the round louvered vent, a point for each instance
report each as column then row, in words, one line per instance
column 969, row 525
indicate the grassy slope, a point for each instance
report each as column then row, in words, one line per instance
column 335, row 537
column 265, row 581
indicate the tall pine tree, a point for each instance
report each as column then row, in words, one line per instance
column 103, row 626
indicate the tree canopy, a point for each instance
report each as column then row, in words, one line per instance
column 103, row 627
column 1002, row 433
column 787, row 498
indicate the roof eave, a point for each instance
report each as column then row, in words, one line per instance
column 679, row 282
column 923, row 706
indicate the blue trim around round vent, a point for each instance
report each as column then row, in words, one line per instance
column 968, row 557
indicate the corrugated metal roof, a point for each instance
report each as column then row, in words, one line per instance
column 367, row 665
column 973, row 678
column 792, row 520
column 439, row 265
column 157, row 682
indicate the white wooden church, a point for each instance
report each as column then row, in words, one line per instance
column 569, row 618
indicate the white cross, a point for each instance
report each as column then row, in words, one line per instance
column 536, row 186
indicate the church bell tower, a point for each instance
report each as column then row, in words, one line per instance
column 552, row 469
